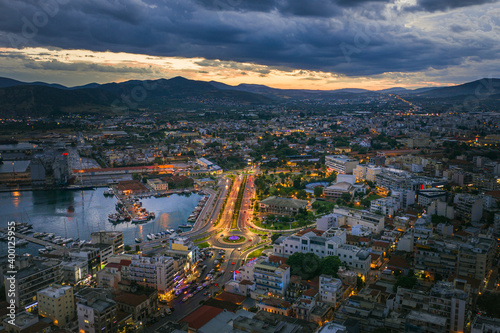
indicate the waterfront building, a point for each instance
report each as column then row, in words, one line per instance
column 114, row 238
column 32, row 276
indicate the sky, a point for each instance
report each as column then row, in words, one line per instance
column 293, row 44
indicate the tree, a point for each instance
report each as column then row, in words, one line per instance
column 302, row 194
column 407, row 282
column 306, row 265
column 127, row 248
column 346, row 197
column 274, row 237
column 330, row 265
column 318, row 191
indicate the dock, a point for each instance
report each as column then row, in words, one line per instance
column 36, row 240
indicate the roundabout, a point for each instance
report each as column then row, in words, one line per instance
column 234, row 239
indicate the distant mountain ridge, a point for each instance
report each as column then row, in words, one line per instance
column 39, row 98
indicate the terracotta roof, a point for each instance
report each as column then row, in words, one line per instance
column 201, row 316
column 276, row 302
column 310, row 292
column 131, row 185
column 277, row 259
column 381, row 244
column 364, row 239
column 125, row 262
column 284, row 266
column 230, row 297
column 374, row 256
column 131, row 299
column 398, row 262
column 305, row 231
column 353, row 238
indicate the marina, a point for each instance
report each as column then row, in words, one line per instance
column 75, row 214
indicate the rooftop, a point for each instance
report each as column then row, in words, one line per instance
column 284, row 202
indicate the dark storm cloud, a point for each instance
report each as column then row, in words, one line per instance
column 436, row 5
column 340, row 36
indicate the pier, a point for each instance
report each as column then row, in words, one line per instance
column 35, row 240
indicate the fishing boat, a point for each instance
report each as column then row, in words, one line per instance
column 21, row 242
column 185, row 226
column 149, row 237
column 37, row 235
column 138, row 240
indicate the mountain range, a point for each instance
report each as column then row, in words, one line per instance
column 38, row 98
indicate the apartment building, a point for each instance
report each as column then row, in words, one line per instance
column 32, row 276
column 329, row 221
column 330, row 289
column 422, row 322
column 114, row 238
column 373, row 222
column 57, row 302
column 366, row 172
column 386, row 206
column 90, row 254
column 272, row 277
column 468, row 207
column 74, row 271
column 436, row 257
column 393, row 179
column 96, row 313
column 341, row 163
column 449, row 303
column 425, row 197
column 158, row 272
column 475, row 257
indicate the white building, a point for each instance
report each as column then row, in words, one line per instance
column 323, row 244
column 272, row 277
column 155, row 272
column 335, row 191
column 374, row 222
column 157, row 184
column 442, row 209
column 341, row 163
column 331, row 220
column 330, row 289
column 366, row 172
column 385, row 206
column 96, row 313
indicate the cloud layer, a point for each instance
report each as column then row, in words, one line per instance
column 344, row 37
